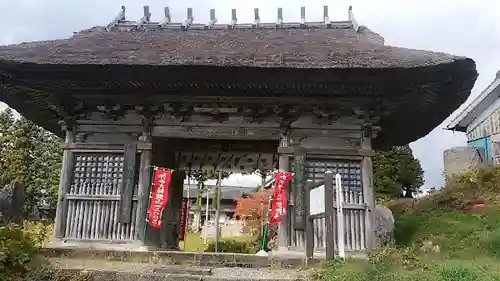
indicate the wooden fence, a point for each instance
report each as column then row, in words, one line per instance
column 324, row 231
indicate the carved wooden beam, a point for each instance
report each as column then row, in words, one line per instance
column 243, row 101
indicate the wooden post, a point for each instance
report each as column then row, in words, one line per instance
column 64, row 185
column 173, row 210
column 128, row 183
column 329, row 215
column 367, row 182
column 284, row 225
column 299, row 215
column 217, row 212
column 309, row 222
column 143, row 191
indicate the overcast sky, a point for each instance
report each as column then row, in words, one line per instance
column 459, row 27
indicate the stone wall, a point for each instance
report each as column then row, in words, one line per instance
column 459, row 159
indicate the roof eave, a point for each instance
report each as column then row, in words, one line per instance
column 475, row 108
column 456, row 128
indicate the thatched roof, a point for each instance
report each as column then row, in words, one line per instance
column 312, row 48
column 427, row 86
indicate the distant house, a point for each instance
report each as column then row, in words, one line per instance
column 227, row 200
column 481, row 122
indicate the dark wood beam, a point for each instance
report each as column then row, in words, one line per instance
column 136, row 98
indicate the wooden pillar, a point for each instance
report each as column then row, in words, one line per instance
column 167, row 237
column 309, row 227
column 329, row 217
column 367, row 181
column 64, row 185
column 145, row 173
column 284, row 226
column 173, row 211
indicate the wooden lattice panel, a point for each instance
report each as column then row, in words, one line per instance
column 98, row 174
column 94, row 198
column 350, row 170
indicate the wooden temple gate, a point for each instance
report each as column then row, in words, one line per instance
column 105, row 185
column 231, row 96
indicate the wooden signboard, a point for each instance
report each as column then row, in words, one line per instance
column 128, row 183
column 184, row 219
column 298, row 184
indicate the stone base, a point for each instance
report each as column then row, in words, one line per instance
column 285, row 252
column 174, row 257
column 136, row 246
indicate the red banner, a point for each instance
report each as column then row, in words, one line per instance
column 184, row 219
column 159, row 196
column 279, row 201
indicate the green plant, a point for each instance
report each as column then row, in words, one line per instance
column 233, row 246
column 39, row 232
column 17, row 251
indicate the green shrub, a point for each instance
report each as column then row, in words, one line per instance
column 17, row 251
column 233, row 246
column 39, row 232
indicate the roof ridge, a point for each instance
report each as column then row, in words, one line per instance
column 120, row 21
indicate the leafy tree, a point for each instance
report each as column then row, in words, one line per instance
column 397, row 173
column 6, row 122
column 33, row 156
column 253, row 209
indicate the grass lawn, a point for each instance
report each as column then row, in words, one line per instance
column 193, row 242
column 440, row 237
column 469, row 251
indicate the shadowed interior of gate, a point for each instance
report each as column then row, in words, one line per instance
column 185, row 155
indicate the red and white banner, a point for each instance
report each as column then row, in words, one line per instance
column 159, row 196
column 184, row 219
column 279, row 201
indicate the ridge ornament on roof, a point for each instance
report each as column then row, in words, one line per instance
column 120, row 21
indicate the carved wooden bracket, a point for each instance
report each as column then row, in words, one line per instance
column 353, row 143
column 256, row 114
column 148, row 113
column 82, row 136
column 113, row 112
column 67, row 124
column 218, row 113
column 325, row 116
column 287, row 115
column 181, row 112
column 68, row 111
column 370, row 116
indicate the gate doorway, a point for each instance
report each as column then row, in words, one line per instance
column 187, row 156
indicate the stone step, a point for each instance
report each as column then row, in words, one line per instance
column 181, row 258
column 108, row 275
column 98, row 270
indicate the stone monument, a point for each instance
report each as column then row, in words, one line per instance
column 384, row 225
column 12, row 198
